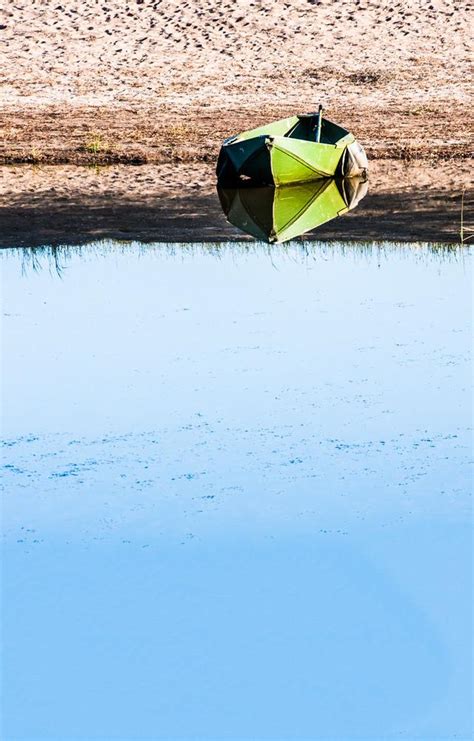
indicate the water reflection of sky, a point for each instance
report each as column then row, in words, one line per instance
column 238, row 495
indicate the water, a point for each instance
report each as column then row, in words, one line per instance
column 237, row 497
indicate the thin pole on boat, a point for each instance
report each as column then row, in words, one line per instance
column 320, row 122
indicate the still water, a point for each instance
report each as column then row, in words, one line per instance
column 237, row 498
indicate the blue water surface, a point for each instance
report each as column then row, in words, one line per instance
column 237, row 493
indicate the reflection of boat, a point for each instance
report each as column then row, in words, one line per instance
column 278, row 214
column 293, row 150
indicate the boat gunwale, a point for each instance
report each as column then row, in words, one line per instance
column 259, row 131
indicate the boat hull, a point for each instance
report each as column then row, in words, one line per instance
column 269, row 155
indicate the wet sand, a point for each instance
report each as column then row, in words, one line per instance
column 58, row 205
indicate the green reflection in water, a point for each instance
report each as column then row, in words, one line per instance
column 281, row 214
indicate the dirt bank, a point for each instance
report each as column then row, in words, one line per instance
column 157, row 81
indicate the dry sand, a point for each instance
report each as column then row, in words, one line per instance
column 160, row 80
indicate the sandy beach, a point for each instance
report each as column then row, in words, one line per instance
column 152, row 81
column 159, row 84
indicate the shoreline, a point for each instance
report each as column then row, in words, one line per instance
column 54, row 205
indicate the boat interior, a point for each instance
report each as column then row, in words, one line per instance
column 306, row 128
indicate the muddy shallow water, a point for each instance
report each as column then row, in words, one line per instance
column 237, row 491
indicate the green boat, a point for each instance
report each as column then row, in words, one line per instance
column 293, row 150
column 278, row 214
